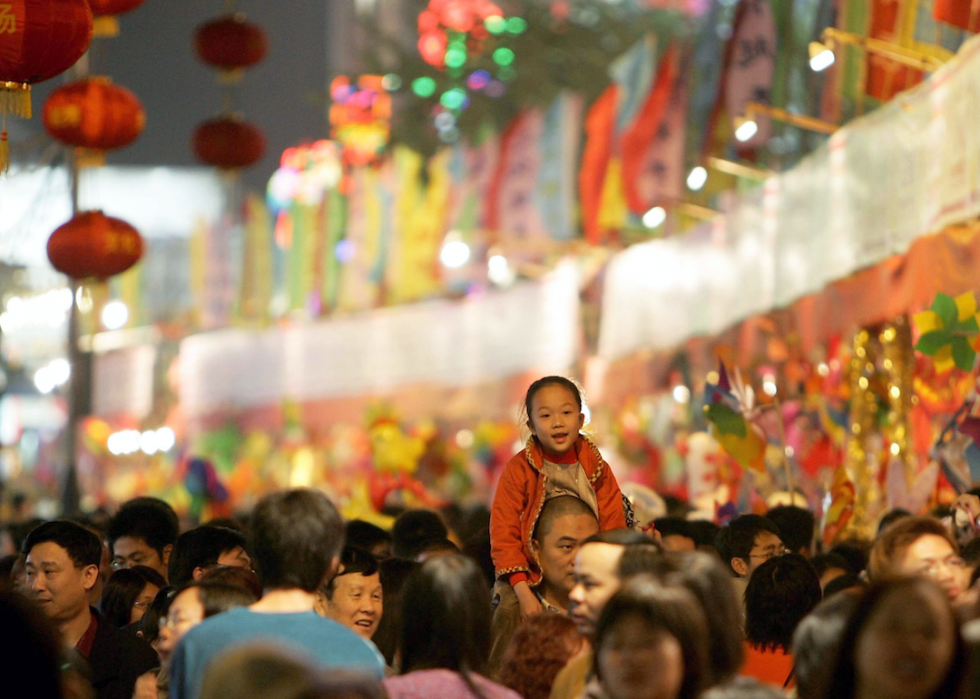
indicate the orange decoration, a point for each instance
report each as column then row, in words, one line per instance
column 231, row 43
column 93, row 113
column 94, row 245
column 228, row 143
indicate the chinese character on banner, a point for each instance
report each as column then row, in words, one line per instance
column 360, row 117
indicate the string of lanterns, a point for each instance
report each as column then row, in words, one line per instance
column 230, row 44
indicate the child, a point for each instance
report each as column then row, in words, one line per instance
column 558, row 460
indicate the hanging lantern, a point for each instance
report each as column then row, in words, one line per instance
column 94, row 114
column 38, row 40
column 105, row 12
column 94, row 245
column 228, row 143
column 231, row 44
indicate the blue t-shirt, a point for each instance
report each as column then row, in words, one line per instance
column 325, row 642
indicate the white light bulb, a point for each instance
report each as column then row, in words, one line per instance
column 455, row 254
column 822, row 61
column 697, row 178
column 682, row 394
column 44, row 380
column 746, row 131
column 499, row 271
column 166, row 439
column 60, row 371
column 654, row 217
column 115, row 315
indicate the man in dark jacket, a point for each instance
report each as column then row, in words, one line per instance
column 62, row 566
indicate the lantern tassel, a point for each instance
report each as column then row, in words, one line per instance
column 15, row 99
column 105, row 27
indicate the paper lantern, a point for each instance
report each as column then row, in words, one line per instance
column 94, row 245
column 228, row 143
column 95, row 114
column 38, row 40
column 105, row 12
column 230, row 43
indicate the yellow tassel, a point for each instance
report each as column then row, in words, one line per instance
column 231, row 77
column 4, row 153
column 15, row 99
column 88, row 157
column 105, row 27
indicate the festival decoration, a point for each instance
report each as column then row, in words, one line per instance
column 960, row 13
column 205, row 489
column 841, row 510
column 228, row 143
column 39, row 39
column 94, row 245
column 93, row 114
column 731, row 410
column 106, row 11
column 450, row 29
column 360, row 117
column 860, row 457
column 949, row 331
column 231, row 44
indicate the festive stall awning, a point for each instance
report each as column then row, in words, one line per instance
column 531, row 327
column 906, row 170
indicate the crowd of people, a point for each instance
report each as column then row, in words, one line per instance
column 555, row 592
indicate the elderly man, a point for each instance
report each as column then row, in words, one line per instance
column 565, row 522
column 62, row 567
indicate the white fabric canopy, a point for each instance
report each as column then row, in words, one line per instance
column 908, row 169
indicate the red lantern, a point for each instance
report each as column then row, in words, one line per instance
column 105, row 12
column 231, row 43
column 94, row 113
column 94, row 245
column 38, row 40
column 228, row 143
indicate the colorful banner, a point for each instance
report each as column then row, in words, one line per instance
column 752, row 62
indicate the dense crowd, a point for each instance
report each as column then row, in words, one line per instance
column 553, row 593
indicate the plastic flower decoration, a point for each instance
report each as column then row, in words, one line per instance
column 949, row 331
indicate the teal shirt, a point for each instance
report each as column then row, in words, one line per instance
column 323, row 641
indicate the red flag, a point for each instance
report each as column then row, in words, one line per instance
column 640, row 135
column 965, row 14
column 599, row 145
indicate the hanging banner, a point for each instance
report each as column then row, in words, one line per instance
column 514, row 210
column 599, row 147
column 750, row 68
column 886, row 78
column 555, row 187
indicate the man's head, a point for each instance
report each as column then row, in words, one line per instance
column 747, row 542
column 414, row 528
column 597, row 575
column 296, row 537
column 565, row 522
column 675, row 534
column 205, row 547
column 914, row 546
column 62, row 566
column 369, row 537
column 353, row 597
column 143, row 533
column 796, row 527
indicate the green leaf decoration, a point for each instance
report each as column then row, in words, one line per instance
column 963, row 353
column 945, row 307
column 968, row 326
column 933, row 341
column 727, row 421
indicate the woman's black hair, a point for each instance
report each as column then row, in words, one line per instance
column 670, row 608
column 123, row 589
column 447, row 624
column 394, row 573
column 780, row 593
column 816, row 644
column 843, row 680
column 711, row 583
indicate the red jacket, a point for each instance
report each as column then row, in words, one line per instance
column 520, row 497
